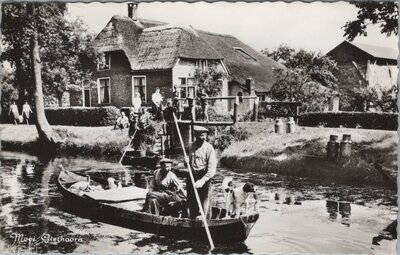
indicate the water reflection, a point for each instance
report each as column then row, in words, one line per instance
column 343, row 208
column 292, row 213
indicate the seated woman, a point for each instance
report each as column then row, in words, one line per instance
column 167, row 192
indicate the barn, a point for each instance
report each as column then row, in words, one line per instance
column 363, row 65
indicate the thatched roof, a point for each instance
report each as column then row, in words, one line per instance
column 243, row 61
column 151, row 45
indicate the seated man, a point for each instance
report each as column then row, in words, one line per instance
column 167, row 191
column 122, row 121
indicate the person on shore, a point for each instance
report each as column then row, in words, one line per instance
column 177, row 104
column 26, row 111
column 137, row 103
column 203, row 163
column 203, row 102
column 156, row 99
column 169, row 111
column 167, row 191
column 122, row 121
column 15, row 113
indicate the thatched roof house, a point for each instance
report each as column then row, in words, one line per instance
column 162, row 55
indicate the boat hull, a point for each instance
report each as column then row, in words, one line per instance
column 227, row 230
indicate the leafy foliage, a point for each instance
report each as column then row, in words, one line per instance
column 369, row 99
column 385, row 14
column 77, row 116
column 65, row 49
column 367, row 120
column 308, row 78
column 210, row 80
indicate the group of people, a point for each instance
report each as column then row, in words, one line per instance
column 17, row 118
column 168, row 190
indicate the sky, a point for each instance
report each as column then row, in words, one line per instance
column 310, row 26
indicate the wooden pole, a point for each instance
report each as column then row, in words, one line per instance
column 235, row 110
column 203, row 217
column 255, row 110
column 123, row 155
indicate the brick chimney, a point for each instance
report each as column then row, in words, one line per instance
column 132, row 11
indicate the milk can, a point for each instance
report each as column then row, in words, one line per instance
column 345, row 146
column 290, row 126
column 278, row 126
column 333, row 147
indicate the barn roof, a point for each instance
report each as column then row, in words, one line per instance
column 151, row 45
column 377, row 51
column 373, row 50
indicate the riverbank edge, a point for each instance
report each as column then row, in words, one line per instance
column 303, row 154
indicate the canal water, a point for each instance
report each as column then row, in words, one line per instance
column 297, row 215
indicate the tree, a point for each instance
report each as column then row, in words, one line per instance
column 47, row 49
column 308, row 77
column 33, row 27
column 385, row 14
column 210, row 80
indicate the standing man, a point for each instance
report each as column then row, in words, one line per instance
column 15, row 113
column 156, row 98
column 203, row 163
column 26, row 111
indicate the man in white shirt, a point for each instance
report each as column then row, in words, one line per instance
column 157, row 99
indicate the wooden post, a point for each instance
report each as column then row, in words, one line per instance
column 255, row 110
column 236, row 111
column 192, row 106
column 161, row 134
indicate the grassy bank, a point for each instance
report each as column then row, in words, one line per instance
column 75, row 140
column 304, row 153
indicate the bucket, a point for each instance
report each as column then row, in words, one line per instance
column 345, row 146
column 332, row 148
column 278, row 126
column 290, row 125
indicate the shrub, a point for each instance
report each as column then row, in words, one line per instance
column 82, row 116
column 223, row 137
column 367, row 120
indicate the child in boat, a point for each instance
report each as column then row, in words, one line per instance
column 167, row 191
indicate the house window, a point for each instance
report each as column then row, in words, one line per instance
column 261, row 98
column 240, row 95
column 104, row 61
column 187, row 87
column 139, row 86
column 103, row 90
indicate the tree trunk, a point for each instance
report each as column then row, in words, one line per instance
column 46, row 133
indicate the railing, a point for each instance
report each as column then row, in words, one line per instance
column 235, row 117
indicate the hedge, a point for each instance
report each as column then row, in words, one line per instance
column 367, row 120
column 82, row 116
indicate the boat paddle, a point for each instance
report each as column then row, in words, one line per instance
column 203, row 217
column 123, row 155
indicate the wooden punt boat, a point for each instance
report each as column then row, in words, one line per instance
column 132, row 158
column 122, row 207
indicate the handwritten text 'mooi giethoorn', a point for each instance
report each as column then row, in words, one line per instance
column 44, row 238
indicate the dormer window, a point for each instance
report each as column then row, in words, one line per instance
column 104, row 61
column 244, row 54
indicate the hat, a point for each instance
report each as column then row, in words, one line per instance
column 165, row 160
column 200, row 129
